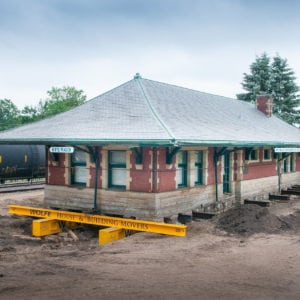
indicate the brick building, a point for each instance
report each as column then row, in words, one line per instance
column 151, row 150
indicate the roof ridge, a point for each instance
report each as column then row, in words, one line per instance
column 152, row 109
column 190, row 89
column 107, row 92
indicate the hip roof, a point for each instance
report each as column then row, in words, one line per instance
column 147, row 112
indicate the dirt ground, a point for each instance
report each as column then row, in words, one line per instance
column 247, row 253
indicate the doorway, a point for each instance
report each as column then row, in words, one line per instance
column 226, row 173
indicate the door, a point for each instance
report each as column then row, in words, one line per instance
column 226, row 173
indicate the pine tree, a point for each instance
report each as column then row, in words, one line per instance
column 277, row 79
column 258, row 81
column 284, row 91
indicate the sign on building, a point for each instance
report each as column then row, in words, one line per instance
column 61, row 149
column 280, row 150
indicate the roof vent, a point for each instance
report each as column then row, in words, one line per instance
column 137, row 76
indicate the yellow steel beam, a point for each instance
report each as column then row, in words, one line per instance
column 130, row 224
column 45, row 227
column 108, row 235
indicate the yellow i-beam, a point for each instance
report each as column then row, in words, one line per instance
column 130, row 224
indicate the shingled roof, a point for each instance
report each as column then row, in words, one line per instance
column 147, row 112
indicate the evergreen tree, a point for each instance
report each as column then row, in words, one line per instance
column 258, row 81
column 284, row 91
column 277, row 79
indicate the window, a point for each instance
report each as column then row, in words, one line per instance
column 267, row 154
column 78, row 167
column 117, row 169
column 285, row 165
column 226, row 172
column 181, row 172
column 199, row 163
column 253, row 155
column 292, row 163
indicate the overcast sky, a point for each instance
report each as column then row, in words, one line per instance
column 96, row 45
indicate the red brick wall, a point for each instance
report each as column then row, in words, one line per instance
column 297, row 166
column 141, row 178
column 211, row 167
column 261, row 168
column 166, row 173
column 56, row 170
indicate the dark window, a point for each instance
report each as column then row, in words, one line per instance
column 292, row 163
column 253, row 155
column 117, row 169
column 199, row 162
column 226, row 173
column 181, row 172
column 285, row 165
column 267, row 154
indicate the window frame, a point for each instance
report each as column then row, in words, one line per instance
column 79, row 163
column 183, row 166
column 269, row 158
column 199, row 167
column 292, row 163
column 112, row 167
column 285, row 165
column 250, row 157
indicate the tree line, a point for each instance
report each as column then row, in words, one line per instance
column 58, row 100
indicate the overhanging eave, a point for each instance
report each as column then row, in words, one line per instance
column 148, row 142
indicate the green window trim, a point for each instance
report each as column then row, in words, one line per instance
column 285, row 165
column 292, row 162
column 226, row 173
column 117, row 168
column 253, row 155
column 199, row 167
column 267, row 154
column 181, row 173
column 78, row 168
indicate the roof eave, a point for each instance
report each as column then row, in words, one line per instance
column 74, row 141
column 148, row 142
column 233, row 143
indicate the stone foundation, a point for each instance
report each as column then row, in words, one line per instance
column 151, row 206
column 156, row 206
column 262, row 187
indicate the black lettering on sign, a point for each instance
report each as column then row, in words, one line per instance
column 40, row 213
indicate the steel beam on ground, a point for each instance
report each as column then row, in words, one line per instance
column 290, row 192
column 99, row 220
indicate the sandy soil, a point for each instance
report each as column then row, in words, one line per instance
column 209, row 263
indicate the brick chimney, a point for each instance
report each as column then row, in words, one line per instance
column 264, row 103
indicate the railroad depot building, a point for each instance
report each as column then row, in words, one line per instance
column 151, row 150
